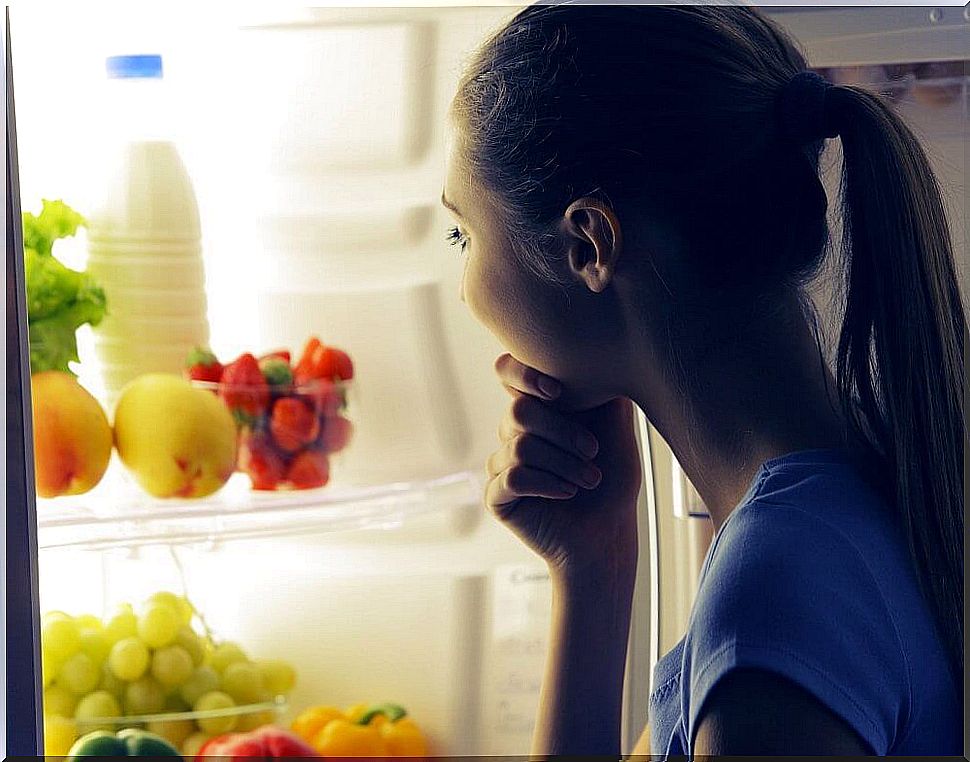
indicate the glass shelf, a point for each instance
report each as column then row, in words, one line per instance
column 117, row 514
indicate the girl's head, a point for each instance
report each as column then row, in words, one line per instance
column 622, row 169
column 635, row 194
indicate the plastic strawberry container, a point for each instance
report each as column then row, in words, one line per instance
column 289, row 435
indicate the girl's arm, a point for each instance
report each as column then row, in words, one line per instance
column 754, row 712
column 582, row 690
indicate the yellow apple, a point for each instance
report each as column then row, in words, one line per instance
column 178, row 440
column 72, row 437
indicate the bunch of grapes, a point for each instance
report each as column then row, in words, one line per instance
column 149, row 662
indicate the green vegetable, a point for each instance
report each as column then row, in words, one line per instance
column 130, row 742
column 59, row 299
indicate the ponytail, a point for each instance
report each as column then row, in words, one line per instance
column 900, row 354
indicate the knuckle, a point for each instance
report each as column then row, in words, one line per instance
column 519, row 447
column 520, row 407
column 515, row 479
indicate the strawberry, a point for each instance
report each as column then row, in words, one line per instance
column 321, row 361
column 303, row 371
column 258, row 459
column 336, row 434
column 279, row 354
column 327, row 398
column 202, row 365
column 293, row 424
column 244, row 389
column 333, row 363
column 276, row 371
column 309, row 469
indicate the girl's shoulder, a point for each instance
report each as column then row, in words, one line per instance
column 810, row 579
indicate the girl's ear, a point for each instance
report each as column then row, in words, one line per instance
column 593, row 241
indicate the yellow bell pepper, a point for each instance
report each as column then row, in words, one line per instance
column 309, row 724
column 364, row 730
column 342, row 738
column 403, row 738
column 355, row 712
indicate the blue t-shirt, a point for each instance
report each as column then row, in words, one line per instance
column 810, row 579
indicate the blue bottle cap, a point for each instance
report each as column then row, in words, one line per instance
column 134, row 67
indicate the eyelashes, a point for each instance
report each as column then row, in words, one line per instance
column 456, row 238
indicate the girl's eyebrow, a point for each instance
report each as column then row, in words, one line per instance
column 448, row 205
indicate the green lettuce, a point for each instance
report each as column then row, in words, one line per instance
column 59, row 299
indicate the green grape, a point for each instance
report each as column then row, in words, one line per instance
column 97, row 705
column 243, row 681
column 60, row 636
column 175, row 703
column 124, row 624
column 54, row 615
column 144, row 696
column 80, row 674
column 50, row 666
column 111, row 683
column 171, row 666
column 128, row 659
column 88, row 622
column 279, row 677
column 255, row 720
column 215, row 725
column 59, row 735
column 158, row 625
column 177, row 602
column 60, row 701
column 203, row 680
column 192, row 643
column 192, row 744
column 225, row 654
column 95, row 644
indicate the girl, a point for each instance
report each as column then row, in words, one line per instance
column 637, row 194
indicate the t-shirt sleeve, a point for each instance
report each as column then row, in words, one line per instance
column 787, row 593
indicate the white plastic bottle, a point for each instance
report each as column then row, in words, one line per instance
column 144, row 236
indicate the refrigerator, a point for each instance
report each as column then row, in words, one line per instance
column 314, row 138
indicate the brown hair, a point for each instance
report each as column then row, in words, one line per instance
column 675, row 107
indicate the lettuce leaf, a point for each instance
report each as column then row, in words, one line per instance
column 59, row 299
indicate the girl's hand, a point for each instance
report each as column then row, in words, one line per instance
column 573, row 505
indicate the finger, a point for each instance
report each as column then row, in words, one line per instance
column 528, row 415
column 516, row 375
column 521, row 481
column 534, row 452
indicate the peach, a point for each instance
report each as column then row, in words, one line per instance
column 72, row 437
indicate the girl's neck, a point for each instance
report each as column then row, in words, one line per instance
column 775, row 398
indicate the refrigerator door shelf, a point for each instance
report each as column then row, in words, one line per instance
column 112, row 517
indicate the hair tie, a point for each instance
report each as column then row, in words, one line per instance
column 804, row 110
